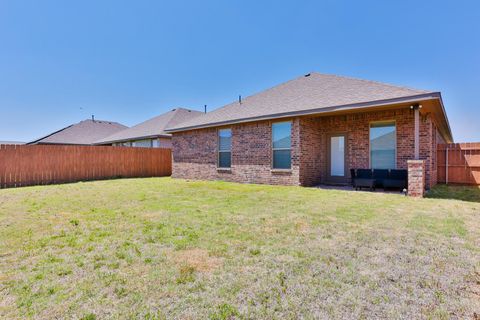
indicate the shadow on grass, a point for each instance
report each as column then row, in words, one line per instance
column 464, row 193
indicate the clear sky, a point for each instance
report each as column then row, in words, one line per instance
column 127, row 61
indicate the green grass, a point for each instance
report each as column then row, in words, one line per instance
column 162, row 248
column 464, row 193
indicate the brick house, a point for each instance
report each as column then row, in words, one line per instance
column 312, row 130
column 150, row 133
column 85, row 132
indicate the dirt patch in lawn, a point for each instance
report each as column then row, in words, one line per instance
column 199, row 259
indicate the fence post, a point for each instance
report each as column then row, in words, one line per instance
column 446, row 165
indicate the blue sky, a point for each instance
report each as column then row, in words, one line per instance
column 127, row 61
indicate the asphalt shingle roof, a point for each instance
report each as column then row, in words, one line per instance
column 85, row 132
column 153, row 127
column 309, row 92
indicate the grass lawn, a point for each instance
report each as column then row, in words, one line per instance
column 162, row 248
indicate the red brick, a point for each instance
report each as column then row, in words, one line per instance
column 416, row 178
column 195, row 151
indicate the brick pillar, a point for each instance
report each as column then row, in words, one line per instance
column 416, row 178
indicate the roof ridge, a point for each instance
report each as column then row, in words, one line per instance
column 273, row 87
column 99, row 120
column 155, row 126
column 176, row 110
column 104, row 123
column 324, row 74
column 51, row 134
column 261, row 91
column 373, row 81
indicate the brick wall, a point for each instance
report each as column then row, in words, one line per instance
column 312, row 152
column 315, row 132
column 195, row 155
column 429, row 139
column 426, row 144
column 416, row 178
column 195, row 152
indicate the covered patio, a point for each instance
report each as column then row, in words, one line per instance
column 387, row 138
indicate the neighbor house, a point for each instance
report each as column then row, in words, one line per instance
column 11, row 142
column 312, row 130
column 85, row 132
column 151, row 133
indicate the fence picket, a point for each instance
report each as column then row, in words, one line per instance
column 463, row 163
column 25, row 165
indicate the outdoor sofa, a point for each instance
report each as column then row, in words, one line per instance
column 379, row 178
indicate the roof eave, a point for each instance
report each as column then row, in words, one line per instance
column 133, row 138
column 444, row 113
column 60, row 143
column 340, row 108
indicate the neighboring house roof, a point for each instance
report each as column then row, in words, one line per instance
column 11, row 142
column 309, row 94
column 85, row 132
column 154, row 127
column 384, row 141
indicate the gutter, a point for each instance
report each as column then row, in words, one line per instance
column 133, row 139
column 347, row 107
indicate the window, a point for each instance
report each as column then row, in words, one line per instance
column 224, row 148
column 383, row 145
column 281, row 142
column 143, row 143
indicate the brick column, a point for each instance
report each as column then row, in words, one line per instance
column 416, row 178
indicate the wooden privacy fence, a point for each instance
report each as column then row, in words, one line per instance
column 25, row 165
column 458, row 163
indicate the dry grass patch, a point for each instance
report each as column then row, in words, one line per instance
column 198, row 259
column 302, row 227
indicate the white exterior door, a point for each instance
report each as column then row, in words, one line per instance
column 337, row 158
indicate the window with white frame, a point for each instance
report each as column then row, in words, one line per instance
column 224, row 148
column 281, row 143
column 383, row 138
